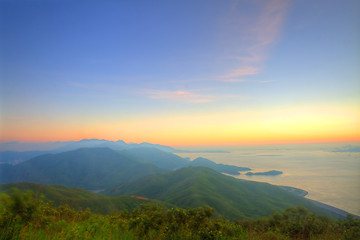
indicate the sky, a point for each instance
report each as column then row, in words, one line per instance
column 204, row 72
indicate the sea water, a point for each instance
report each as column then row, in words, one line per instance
column 329, row 172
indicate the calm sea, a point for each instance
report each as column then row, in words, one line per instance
column 329, row 175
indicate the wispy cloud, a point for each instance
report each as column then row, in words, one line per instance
column 234, row 80
column 257, row 37
column 267, row 81
column 243, row 71
column 189, row 96
column 95, row 86
column 184, row 96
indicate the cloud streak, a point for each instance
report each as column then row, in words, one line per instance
column 243, row 71
column 183, row 96
column 189, row 96
column 256, row 38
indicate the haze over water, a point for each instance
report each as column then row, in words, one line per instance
column 329, row 177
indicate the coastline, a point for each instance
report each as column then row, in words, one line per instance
column 336, row 184
column 336, row 211
column 340, row 213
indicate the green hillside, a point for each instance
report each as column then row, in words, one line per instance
column 230, row 197
column 24, row 217
column 80, row 199
column 88, row 168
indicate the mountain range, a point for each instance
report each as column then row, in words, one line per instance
column 149, row 173
column 16, row 152
column 98, row 168
column 88, row 168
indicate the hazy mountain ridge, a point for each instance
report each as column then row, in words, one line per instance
column 159, row 158
column 229, row 169
column 89, row 168
column 16, row 152
column 171, row 161
column 72, row 145
column 16, row 157
column 96, row 168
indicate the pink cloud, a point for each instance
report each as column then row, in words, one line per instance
column 244, row 71
column 235, row 80
column 189, row 96
column 260, row 33
column 179, row 96
column 266, row 81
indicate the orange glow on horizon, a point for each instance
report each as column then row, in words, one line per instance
column 188, row 141
column 309, row 141
column 300, row 125
column 191, row 144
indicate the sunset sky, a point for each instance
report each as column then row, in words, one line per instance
column 187, row 72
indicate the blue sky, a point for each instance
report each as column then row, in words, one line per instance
column 69, row 67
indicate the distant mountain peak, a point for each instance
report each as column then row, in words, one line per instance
column 71, row 145
column 201, row 159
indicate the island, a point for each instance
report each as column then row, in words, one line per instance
column 229, row 169
column 268, row 173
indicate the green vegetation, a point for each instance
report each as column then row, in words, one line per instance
column 80, row 199
column 189, row 187
column 230, row 197
column 24, row 217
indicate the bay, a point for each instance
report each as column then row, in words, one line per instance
column 329, row 172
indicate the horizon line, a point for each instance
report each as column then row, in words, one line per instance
column 283, row 142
